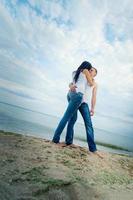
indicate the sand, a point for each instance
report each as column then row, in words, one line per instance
column 36, row 169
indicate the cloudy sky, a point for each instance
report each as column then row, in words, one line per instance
column 43, row 41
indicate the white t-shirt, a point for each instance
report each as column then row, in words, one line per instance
column 83, row 86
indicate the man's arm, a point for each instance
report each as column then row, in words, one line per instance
column 93, row 99
column 88, row 77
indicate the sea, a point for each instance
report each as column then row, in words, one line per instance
column 25, row 121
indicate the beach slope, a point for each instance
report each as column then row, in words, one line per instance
column 35, row 169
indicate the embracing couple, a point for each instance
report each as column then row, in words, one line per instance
column 83, row 85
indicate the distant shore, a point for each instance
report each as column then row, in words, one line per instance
column 33, row 168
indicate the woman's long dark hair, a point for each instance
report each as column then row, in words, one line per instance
column 84, row 65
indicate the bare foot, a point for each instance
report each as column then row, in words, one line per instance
column 97, row 153
column 62, row 144
column 71, row 145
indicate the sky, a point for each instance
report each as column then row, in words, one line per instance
column 43, row 41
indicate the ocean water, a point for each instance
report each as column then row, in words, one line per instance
column 28, row 122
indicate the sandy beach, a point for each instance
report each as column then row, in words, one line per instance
column 35, row 169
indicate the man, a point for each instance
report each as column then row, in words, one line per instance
column 86, row 114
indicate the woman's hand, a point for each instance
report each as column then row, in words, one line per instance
column 72, row 87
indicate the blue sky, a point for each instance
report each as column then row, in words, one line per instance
column 43, row 41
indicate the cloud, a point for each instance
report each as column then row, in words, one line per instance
column 42, row 42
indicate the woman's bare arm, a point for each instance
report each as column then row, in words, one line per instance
column 88, row 77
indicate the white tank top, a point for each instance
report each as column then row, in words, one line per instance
column 81, row 82
column 83, row 86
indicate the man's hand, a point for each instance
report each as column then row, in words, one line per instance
column 72, row 87
column 92, row 112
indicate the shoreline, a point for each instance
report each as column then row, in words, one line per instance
column 33, row 168
column 82, row 142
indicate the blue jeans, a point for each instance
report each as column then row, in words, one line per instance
column 75, row 100
column 84, row 110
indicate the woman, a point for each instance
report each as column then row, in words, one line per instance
column 82, row 78
column 86, row 114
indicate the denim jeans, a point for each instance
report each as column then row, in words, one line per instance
column 75, row 100
column 84, row 110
